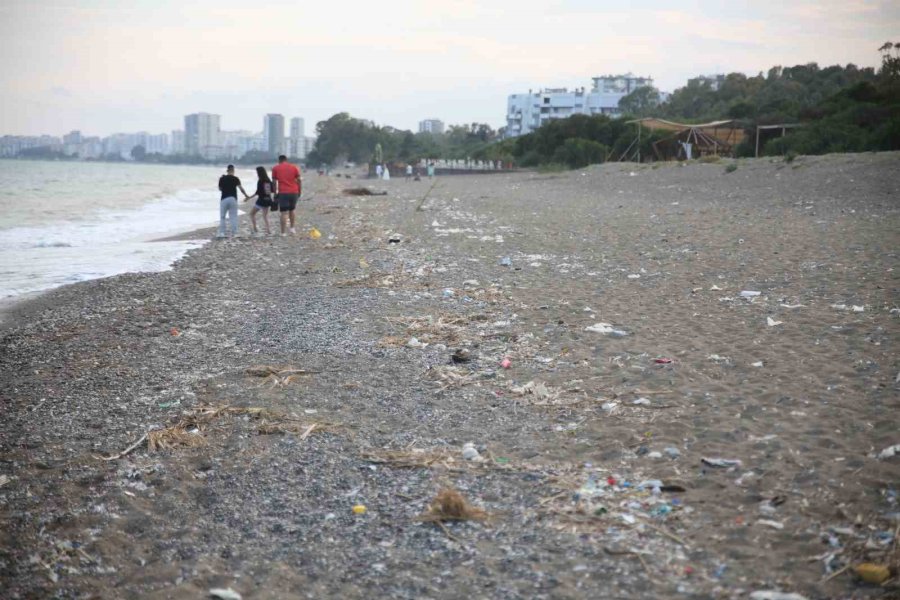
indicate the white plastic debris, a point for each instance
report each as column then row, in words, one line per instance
column 470, row 283
column 641, row 401
column 604, row 328
column 772, row 322
column 715, row 288
column 770, row 523
column 774, row 595
column 634, row 276
column 609, row 406
column 469, row 452
column 718, row 359
column 889, row 452
column 858, row 308
column 415, row 343
column 721, row 463
column 757, row 364
column 749, row 294
column 224, row 594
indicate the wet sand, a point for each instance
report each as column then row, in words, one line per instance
column 599, row 447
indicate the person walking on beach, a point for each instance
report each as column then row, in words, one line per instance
column 378, row 171
column 263, row 197
column 229, row 185
column 408, row 172
column 287, row 191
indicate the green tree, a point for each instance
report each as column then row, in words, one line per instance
column 138, row 153
column 641, row 102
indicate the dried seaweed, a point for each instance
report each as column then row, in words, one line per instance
column 450, row 505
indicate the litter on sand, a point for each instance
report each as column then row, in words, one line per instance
column 772, row 322
column 749, row 294
column 774, row 595
column 605, row 328
column 721, row 463
column 224, row 594
column 889, row 452
column 449, row 505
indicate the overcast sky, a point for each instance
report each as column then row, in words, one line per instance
column 104, row 66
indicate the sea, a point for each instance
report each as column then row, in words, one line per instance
column 64, row 222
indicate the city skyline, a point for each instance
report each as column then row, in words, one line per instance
column 98, row 64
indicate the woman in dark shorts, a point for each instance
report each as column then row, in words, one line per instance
column 264, row 200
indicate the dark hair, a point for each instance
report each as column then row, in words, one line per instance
column 230, row 167
column 282, row 158
column 263, row 175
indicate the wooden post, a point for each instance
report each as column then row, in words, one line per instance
column 757, row 141
column 639, row 142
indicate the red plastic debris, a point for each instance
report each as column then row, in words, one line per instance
column 664, row 361
column 174, row 331
column 506, row 363
column 611, row 480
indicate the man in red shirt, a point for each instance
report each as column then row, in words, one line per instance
column 287, row 190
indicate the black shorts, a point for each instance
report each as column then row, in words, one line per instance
column 286, row 202
column 265, row 202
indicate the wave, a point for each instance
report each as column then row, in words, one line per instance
column 176, row 213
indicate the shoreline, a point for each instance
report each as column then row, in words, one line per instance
column 378, row 401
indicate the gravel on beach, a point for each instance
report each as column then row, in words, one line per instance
column 578, row 354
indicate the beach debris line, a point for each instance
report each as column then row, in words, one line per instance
column 188, row 430
column 277, row 376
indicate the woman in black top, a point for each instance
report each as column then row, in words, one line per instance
column 263, row 197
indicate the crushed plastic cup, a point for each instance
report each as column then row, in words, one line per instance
column 315, row 233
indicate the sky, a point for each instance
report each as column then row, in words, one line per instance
column 105, row 66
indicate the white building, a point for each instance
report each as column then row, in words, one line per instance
column 431, row 126
column 201, row 135
column 527, row 112
column 177, row 145
column 157, row 144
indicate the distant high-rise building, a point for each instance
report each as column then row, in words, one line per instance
column 296, row 146
column 177, row 145
column 431, row 126
column 201, row 135
column 273, row 133
column 73, row 137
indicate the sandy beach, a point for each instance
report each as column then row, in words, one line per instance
column 677, row 381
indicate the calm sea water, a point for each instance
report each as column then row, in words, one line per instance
column 62, row 222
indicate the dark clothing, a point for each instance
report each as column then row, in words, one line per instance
column 286, row 202
column 229, row 185
column 263, row 194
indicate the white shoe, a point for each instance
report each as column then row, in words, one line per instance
column 293, row 231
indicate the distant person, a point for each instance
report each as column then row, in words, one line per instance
column 264, row 199
column 431, row 170
column 287, row 191
column 386, row 176
column 379, row 170
column 229, row 185
column 408, row 172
